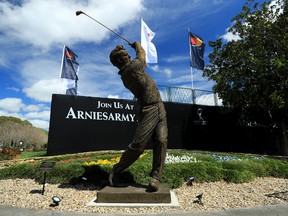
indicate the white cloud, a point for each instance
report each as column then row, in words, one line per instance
column 197, row 76
column 13, row 89
column 32, row 108
column 113, row 96
column 3, row 61
column 43, row 90
column 174, row 59
column 230, row 36
column 274, row 6
column 167, row 72
column 40, row 123
column 218, row 1
column 7, row 113
column 47, row 24
column 44, row 23
column 35, row 115
column 180, row 79
column 16, row 105
column 154, row 68
column 36, row 69
column 11, row 104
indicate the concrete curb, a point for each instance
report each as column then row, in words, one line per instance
column 279, row 210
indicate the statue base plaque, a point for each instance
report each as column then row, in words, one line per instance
column 134, row 194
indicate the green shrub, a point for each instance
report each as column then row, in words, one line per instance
column 177, row 173
column 141, row 171
column 24, row 171
column 173, row 174
column 238, row 176
column 256, row 167
column 64, row 172
column 207, row 168
column 276, row 168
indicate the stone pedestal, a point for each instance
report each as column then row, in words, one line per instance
column 134, row 194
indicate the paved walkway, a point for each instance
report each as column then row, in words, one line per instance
column 271, row 210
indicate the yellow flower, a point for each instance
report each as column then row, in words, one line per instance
column 110, row 162
column 142, row 155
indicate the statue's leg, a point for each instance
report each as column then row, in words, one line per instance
column 159, row 154
column 128, row 157
column 149, row 119
column 160, row 141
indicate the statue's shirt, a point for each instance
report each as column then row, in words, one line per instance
column 140, row 83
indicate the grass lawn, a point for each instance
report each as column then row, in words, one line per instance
column 31, row 154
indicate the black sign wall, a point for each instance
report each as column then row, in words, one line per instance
column 81, row 124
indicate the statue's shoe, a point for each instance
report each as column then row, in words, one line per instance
column 154, row 185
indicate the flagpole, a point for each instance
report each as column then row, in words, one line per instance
column 192, row 78
column 191, row 69
column 62, row 61
column 76, row 87
column 141, row 27
column 61, row 68
column 76, row 81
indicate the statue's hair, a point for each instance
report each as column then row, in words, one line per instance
column 114, row 54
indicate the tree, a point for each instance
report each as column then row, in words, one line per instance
column 13, row 130
column 251, row 73
column 14, row 119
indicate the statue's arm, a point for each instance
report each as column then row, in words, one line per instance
column 140, row 52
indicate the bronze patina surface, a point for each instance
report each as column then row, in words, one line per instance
column 134, row 194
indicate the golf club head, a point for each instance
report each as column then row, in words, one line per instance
column 78, row 13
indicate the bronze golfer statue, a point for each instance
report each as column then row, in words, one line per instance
column 152, row 124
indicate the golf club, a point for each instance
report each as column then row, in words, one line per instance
column 81, row 12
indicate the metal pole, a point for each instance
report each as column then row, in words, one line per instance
column 81, row 12
column 44, row 182
column 191, row 70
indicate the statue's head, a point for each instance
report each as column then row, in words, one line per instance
column 119, row 57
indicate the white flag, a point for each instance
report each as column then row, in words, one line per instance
column 146, row 37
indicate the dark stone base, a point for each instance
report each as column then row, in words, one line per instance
column 134, row 194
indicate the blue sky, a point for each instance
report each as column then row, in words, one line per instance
column 33, row 32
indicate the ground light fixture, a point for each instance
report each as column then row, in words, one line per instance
column 190, row 181
column 56, row 200
column 84, row 180
column 199, row 199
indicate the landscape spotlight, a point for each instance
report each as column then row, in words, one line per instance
column 199, row 199
column 190, row 181
column 56, row 200
column 84, row 180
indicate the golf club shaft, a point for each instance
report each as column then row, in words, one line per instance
column 81, row 12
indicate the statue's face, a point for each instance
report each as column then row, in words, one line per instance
column 124, row 57
column 120, row 57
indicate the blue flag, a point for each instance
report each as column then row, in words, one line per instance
column 70, row 66
column 69, row 71
column 71, row 91
column 197, row 48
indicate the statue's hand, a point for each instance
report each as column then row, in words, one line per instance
column 133, row 45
